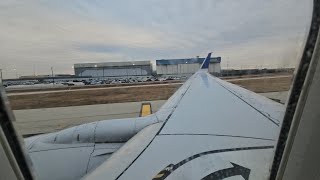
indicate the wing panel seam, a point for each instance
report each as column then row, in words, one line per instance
column 221, row 135
column 157, row 132
column 272, row 120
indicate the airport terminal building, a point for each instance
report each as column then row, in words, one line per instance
column 186, row 66
column 113, row 69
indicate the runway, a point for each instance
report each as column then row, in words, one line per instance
column 35, row 121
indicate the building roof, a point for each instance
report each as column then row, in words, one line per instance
column 112, row 64
column 186, row 61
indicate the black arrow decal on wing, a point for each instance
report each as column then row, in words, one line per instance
column 229, row 172
column 163, row 174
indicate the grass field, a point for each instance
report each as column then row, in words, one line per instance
column 131, row 94
column 265, row 85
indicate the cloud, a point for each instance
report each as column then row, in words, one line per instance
column 60, row 33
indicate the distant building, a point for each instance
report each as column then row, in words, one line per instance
column 186, row 66
column 44, row 76
column 113, row 69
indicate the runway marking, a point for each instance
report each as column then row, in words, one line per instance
column 145, row 109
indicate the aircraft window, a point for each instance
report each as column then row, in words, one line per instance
column 205, row 82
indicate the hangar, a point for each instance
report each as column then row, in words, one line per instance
column 113, row 69
column 186, row 66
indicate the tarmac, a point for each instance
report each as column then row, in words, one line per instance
column 38, row 121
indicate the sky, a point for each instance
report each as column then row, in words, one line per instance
column 39, row 34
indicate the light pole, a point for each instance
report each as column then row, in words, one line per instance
column 0, row 76
column 228, row 68
column 134, row 70
column 52, row 75
column 127, row 72
column 15, row 71
column 34, row 71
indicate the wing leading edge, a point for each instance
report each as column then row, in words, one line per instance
column 207, row 126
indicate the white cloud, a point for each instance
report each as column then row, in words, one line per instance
column 42, row 34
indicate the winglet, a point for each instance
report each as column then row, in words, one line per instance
column 206, row 62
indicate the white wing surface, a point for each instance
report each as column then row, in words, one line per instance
column 209, row 129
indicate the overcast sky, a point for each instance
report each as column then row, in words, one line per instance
column 38, row 34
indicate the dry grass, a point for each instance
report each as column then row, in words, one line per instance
column 130, row 94
column 99, row 96
column 265, row 85
column 19, row 90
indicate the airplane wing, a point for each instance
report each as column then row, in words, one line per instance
column 209, row 129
